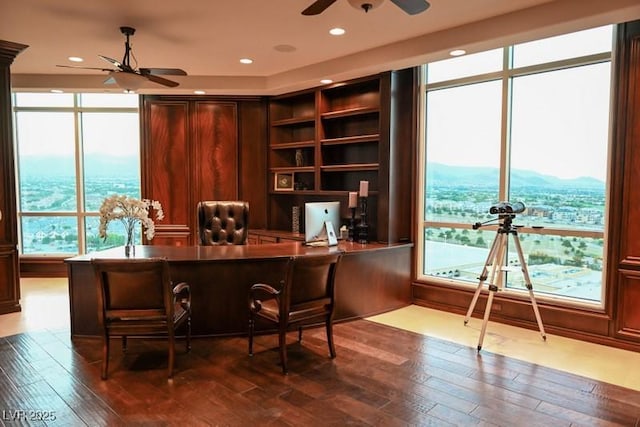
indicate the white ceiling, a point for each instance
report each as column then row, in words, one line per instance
column 208, row 37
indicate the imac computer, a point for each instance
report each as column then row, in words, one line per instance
column 321, row 222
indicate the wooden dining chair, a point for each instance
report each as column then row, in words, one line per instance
column 305, row 297
column 137, row 298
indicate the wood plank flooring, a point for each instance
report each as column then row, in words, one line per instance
column 382, row 376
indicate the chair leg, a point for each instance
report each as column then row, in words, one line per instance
column 124, row 343
column 105, row 356
column 299, row 333
column 332, row 349
column 172, row 353
column 251, row 322
column 282, row 339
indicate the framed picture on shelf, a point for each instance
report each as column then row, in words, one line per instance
column 283, row 182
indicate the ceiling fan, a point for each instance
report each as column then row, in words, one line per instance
column 411, row 7
column 127, row 76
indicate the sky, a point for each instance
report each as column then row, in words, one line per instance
column 560, row 120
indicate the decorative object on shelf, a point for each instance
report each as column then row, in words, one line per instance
column 363, row 227
column 130, row 211
column 295, row 219
column 283, row 182
column 299, row 157
column 364, row 188
column 353, row 204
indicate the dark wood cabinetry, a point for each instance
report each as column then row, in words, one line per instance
column 9, row 267
column 197, row 149
column 624, row 254
column 328, row 139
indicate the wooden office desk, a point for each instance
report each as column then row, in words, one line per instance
column 372, row 279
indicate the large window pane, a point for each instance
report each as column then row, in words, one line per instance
column 54, row 133
column 545, row 143
column 559, row 265
column 581, row 43
column 464, row 66
column 559, row 135
column 462, row 151
column 44, row 99
column 46, row 161
column 49, row 235
column 111, row 156
column 456, row 253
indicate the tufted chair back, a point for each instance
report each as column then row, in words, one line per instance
column 223, row 222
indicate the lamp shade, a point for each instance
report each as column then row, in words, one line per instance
column 128, row 81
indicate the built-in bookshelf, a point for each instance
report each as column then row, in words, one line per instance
column 324, row 141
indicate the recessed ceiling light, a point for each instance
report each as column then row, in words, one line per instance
column 57, row 91
column 457, row 52
column 337, row 31
column 75, row 59
column 199, row 92
column 326, row 81
column 284, row 48
column 246, row 61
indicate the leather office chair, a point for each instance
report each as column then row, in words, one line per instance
column 223, row 222
column 306, row 296
column 137, row 298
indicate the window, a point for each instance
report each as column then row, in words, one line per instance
column 73, row 150
column 536, row 131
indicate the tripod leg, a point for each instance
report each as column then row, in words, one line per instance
column 487, row 311
column 525, row 273
column 494, row 285
column 483, row 277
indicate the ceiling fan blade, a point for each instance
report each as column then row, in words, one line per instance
column 111, row 61
column 163, row 71
column 161, row 80
column 412, row 7
column 77, row 67
column 318, row 7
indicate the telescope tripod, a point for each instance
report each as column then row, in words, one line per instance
column 496, row 260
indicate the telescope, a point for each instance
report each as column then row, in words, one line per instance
column 507, row 208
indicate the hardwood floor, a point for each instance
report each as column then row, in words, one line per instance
column 382, row 376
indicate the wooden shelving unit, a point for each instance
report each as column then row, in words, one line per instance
column 330, row 138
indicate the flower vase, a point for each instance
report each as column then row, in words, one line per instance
column 129, row 247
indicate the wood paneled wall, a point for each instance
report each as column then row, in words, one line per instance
column 202, row 148
column 624, row 257
column 9, row 267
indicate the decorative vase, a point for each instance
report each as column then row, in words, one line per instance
column 129, row 247
column 295, row 219
column 129, row 251
column 299, row 158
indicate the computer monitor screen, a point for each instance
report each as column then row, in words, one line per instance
column 316, row 214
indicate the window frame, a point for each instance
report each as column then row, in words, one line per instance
column 506, row 75
column 80, row 214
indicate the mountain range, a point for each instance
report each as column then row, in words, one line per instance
column 96, row 166
column 441, row 175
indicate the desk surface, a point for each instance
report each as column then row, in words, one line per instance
column 232, row 252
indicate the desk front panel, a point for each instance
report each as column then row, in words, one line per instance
column 373, row 278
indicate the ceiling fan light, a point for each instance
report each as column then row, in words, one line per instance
column 128, row 81
column 365, row 5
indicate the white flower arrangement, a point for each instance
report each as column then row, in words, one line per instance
column 130, row 211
